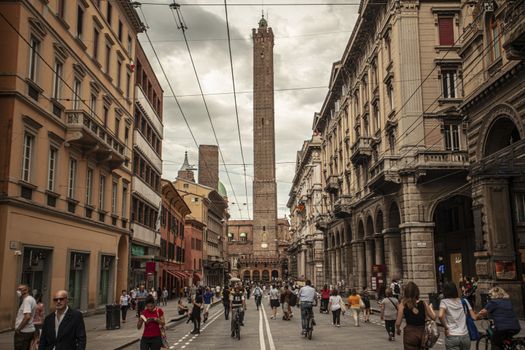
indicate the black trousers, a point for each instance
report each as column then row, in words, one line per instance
column 196, row 323
column 336, row 316
column 124, row 311
column 150, row 343
column 226, row 310
column 390, row 326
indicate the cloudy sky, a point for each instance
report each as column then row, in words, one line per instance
column 308, row 39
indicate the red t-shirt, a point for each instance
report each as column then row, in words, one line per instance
column 152, row 329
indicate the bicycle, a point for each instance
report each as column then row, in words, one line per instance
column 309, row 323
column 258, row 301
column 509, row 343
column 236, row 323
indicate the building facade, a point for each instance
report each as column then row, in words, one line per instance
column 306, row 249
column 65, row 165
column 173, row 240
column 421, row 132
column 147, row 170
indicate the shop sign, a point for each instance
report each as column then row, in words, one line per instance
column 505, row 270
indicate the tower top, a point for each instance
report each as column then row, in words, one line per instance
column 262, row 22
column 186, row 164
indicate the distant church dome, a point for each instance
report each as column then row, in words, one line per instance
column 222, row 190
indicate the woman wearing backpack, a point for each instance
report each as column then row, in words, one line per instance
column 454, row 319
column 415, row 312
column 365, row 296
column 389, row 313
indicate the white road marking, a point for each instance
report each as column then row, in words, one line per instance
column 268, row 331
column 261, row 330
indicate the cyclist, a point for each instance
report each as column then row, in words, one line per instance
column 237, row 301
column 257, row 293
column 307, row 296
column 499, row 309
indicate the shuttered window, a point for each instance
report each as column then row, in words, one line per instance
column 446, row 31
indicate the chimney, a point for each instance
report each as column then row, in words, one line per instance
column 209, row 166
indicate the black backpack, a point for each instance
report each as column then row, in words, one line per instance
column 397, row 289
column 293, row 299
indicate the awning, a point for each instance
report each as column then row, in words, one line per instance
column 197, row 276
column 178, row 274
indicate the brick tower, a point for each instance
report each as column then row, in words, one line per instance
column 264, row 185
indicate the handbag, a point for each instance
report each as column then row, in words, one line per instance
column 361, row 303
column 163, row 337
column 430, row 334
column 471, row 326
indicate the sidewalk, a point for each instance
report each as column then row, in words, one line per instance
column 98, row 338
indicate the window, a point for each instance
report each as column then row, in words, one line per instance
column 109, row 13
column 114, row 195
column 449, row 80
column 33, row 58
column 61, row 8
column 108, row 58
column 29, row 141
column 119, row 72
column 89, row 186
column 390, row 95
column 72, row 178
column 52, row 168
column 106, row 115
column 451, row 137
column 520, row 207
column 76, row 94
column 57, row 80
column 120, row 29
column 495, row 39
column 375, row 110
column 101, row 192
column 93, row 104
column 96, row 37
column 446, row 31
column 130, row 44
column 117, row 127
column 124, row 200
column 388, row 47
column 80, row 21
column 128, row 82
column 126, row 135
column 243, row 237
column 392, row 143
column 230, row 237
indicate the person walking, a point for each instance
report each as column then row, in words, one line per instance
column 24, row 327
column 356, row 304
column 63, row 329
column 165, row 295
column 207, row 297
column 415, row 312
column 40, row 314
column 454, row 319
column 124, row 304
column 389, row 306
column 285, row 299
column 365, row 297
column 325, row 296
column 274, row 301
column 257, row 293
column 307, row 296
column 396, row 289
column 226, row 301
column 141, row 295
column 334, row 305
column 153, row 320
column 196, row 313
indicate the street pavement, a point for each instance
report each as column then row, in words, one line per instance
column 262, row 333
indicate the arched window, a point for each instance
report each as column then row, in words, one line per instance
column 243, row 237
column 230, row 237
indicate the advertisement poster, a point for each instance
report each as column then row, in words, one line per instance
column 505, row 270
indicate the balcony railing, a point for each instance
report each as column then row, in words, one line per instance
column 332, row 184
column 343, row 207
column 384, row 171
column 84, row 131
column 361, row 150
column 514, row 29
column 322, row 221
column 442, row 160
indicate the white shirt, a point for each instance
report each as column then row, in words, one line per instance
column 124, row 300
column 335, row 300
column 274, row 294
column 307, row 293
column 28, row 306
column 455, row 316
column 58, row 320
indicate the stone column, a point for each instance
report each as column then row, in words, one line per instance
column 418, row 248
column 338, row 265
column 333, row 277
column 380, row 249
column 370, row 260
column 394, row 261
column 360, row 275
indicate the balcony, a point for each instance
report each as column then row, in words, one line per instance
column 141, row 143
column 144, row 103
column 514, row 29
column 384, row 173
column 145, row 191
column 322, row 222
column 332, row 184
column 437, row 163
column 361, row 150
column 343, row 207
column 145, row 235
column 85, row 132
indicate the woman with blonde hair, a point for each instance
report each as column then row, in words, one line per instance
column 415, row 312
column 499, row 309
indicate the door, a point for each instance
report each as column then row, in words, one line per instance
column 456, row 267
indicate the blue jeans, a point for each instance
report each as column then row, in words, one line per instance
column 306, row 307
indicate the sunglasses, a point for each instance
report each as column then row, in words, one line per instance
column 58, row 299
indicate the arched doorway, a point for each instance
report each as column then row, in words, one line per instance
column 246, row 276
column 275, row 274
column 122, row 265
column 256, row 277
column 265, row 276
column 503, row 133
column 454, row 240
column 392, row 239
